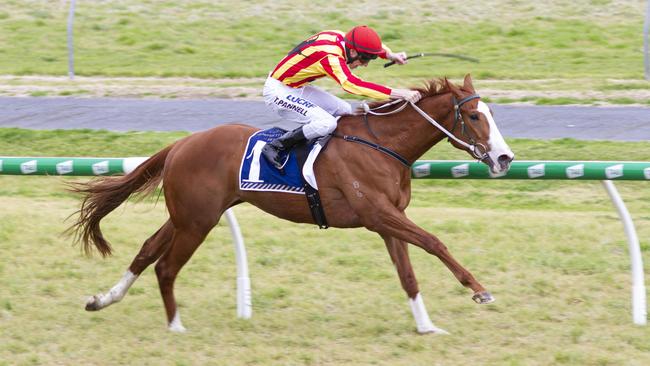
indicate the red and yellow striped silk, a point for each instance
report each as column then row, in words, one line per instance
column 321, row 55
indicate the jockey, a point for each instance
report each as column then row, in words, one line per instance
column 328, row 53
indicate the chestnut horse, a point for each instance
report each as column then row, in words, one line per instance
column 359, row 186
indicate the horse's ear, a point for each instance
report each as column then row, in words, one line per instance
column 467, row 83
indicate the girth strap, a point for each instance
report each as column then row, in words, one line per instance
column 313, row 198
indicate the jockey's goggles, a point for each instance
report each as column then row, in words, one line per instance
column 366, row 57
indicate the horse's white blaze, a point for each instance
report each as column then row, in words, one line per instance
column 422, row 320
column 117, row 292
column 176, row 325
column 498, row 146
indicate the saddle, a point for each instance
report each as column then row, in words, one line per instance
column 295, row 176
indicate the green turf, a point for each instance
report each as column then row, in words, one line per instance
column 553, row 253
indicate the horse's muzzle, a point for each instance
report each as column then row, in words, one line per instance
column 502, row 164
column 504, row 161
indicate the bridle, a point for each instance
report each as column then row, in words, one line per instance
column 474, row 147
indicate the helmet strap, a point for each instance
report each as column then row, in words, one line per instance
column 349, row 57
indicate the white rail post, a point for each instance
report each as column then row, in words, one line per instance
column 646, row 47
column 244, row 296
column 639, row 311
column 70, row 42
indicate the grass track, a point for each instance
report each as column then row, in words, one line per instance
column 553, row 253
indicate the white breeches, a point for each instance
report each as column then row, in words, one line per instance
column 313, row 107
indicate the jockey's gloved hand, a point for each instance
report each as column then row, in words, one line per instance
column 407, row 94
column 398, row 57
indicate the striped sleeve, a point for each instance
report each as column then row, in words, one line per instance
column 336, row 68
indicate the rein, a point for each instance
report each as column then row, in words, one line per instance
column 367, row 110
column 377, row 147
column 473, row 147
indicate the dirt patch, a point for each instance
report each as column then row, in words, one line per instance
column 518, row 91
column 81, row 86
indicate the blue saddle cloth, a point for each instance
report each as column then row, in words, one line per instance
column 257, row 174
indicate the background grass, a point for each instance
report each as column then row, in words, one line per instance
column 595, row 39
column 553, row 52
column 553, row 253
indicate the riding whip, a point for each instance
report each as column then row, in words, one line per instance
column 451, row 55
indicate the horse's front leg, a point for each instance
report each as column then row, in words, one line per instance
column 387, row 220
column 398, row 251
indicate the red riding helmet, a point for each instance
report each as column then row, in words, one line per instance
column 364, row 40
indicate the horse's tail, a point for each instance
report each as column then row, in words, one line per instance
column 105, row 194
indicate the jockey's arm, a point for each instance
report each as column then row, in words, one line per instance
column 336, row 68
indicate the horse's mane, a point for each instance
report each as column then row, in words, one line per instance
column 430, row 89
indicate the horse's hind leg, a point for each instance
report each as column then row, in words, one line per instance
column 398, row 251
column 184, row 243
column 151, row 250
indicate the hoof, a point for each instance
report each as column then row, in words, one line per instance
column 93, row 304
column 177, row 328
column 433, row 330
column 483, row 298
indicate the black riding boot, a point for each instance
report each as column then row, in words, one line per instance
column 271, row 150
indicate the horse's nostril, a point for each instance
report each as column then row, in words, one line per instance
column 504, row 160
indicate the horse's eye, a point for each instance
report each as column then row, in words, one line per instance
column 473, row 117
